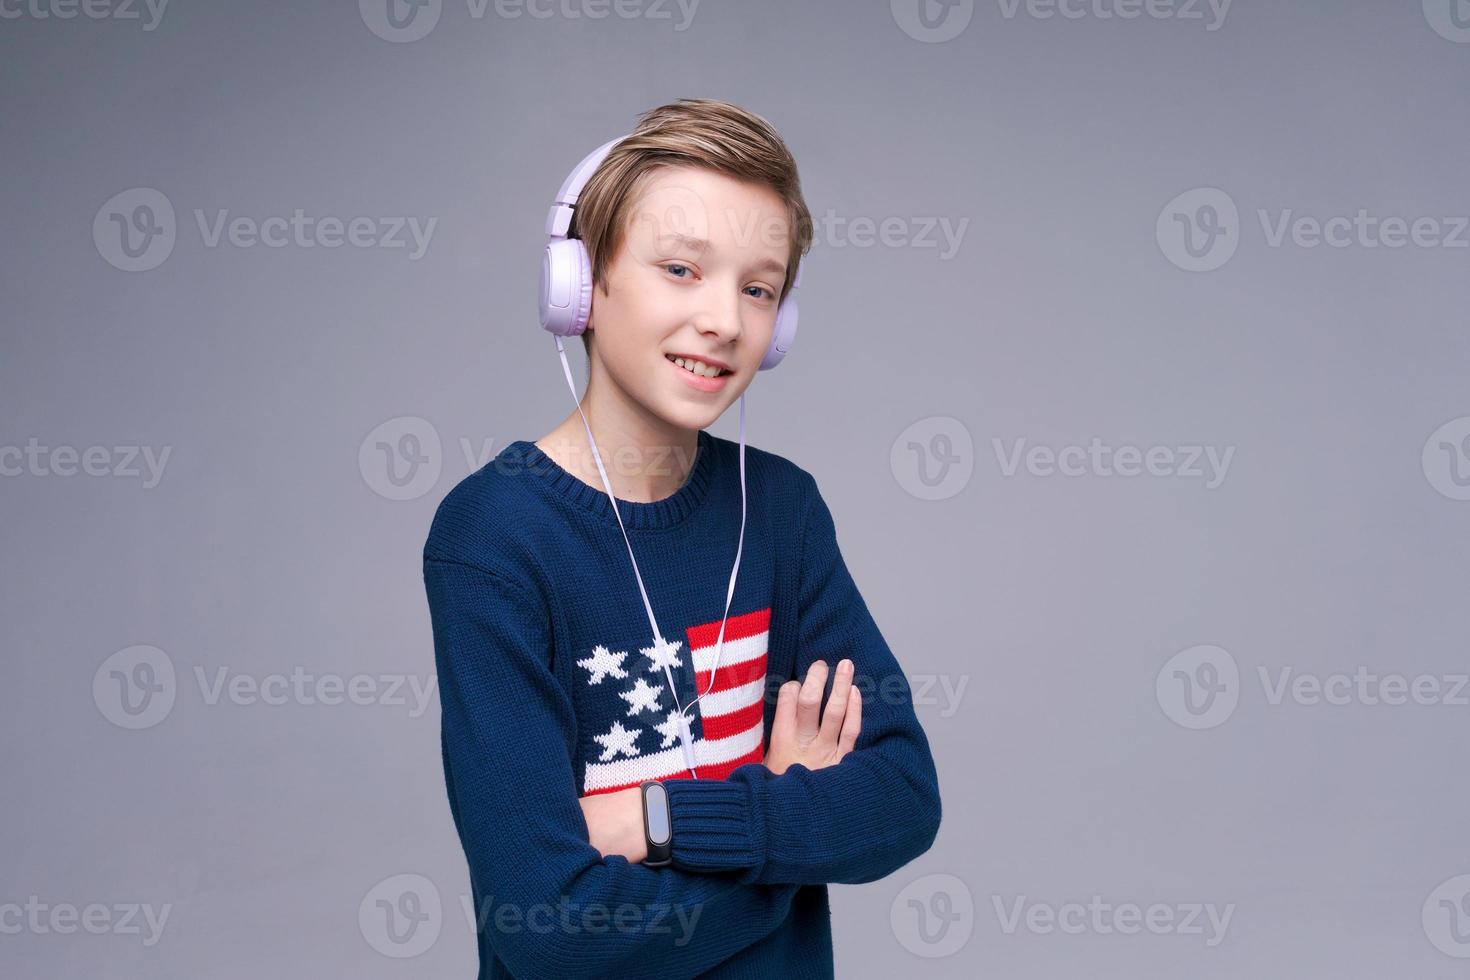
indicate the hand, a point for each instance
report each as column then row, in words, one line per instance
column 615, row 823
column 795, row 734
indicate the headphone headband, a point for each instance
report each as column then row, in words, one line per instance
column 559, row 218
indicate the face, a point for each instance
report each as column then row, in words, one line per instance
column 698, row 273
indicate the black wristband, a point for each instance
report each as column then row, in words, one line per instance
column 658, row 825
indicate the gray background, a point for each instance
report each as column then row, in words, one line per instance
column 272, row 543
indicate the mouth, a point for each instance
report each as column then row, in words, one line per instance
column 699, row 366
column 698, row 374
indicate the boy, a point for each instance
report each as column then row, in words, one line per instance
column 566, row 708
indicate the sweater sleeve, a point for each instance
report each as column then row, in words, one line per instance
column 854, row 822
column 506, row 736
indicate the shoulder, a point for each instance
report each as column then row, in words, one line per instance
column 759, row 463
column 490, row 519
column 774, row 475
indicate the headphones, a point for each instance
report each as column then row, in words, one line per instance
column 566, row 270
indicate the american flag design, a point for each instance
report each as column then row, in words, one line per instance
column 630, row 724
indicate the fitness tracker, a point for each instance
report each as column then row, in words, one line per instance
column 658, row 825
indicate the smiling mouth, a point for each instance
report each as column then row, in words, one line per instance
column 705, row 371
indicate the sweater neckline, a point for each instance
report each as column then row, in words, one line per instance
column 666, row 512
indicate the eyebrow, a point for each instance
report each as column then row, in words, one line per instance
column 704, row 245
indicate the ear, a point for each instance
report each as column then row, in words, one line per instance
column 592, row 307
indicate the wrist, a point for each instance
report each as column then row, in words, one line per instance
column 629, row 822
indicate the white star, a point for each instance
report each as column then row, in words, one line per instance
column 603, row 662
column 661, row 654
column 643, row 696
column 669, row 730
column 618, row 739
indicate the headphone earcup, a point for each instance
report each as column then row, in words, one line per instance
column 566, row 287
column 782, row 336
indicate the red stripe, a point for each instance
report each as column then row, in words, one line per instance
column 736, row 628
column 723, row 726
column 734, row 675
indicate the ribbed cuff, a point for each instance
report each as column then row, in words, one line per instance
column 717, row 825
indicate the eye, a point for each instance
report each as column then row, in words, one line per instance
column 767, row 292
column 675, row 265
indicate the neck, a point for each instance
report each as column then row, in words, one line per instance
column 646, row 458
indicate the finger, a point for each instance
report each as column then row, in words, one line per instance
column 852, row 723
column 809, row 702
column 837, row 702
column 784, row 725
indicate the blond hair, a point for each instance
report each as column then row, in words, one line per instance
column 718, row 136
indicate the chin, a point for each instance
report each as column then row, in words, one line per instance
column 692, row 417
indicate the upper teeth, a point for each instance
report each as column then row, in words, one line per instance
column 698, row 367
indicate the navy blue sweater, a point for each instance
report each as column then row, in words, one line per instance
column 552, row 689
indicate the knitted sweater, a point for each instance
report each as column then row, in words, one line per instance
column 552, row 689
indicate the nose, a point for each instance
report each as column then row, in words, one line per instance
column 719, row 313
